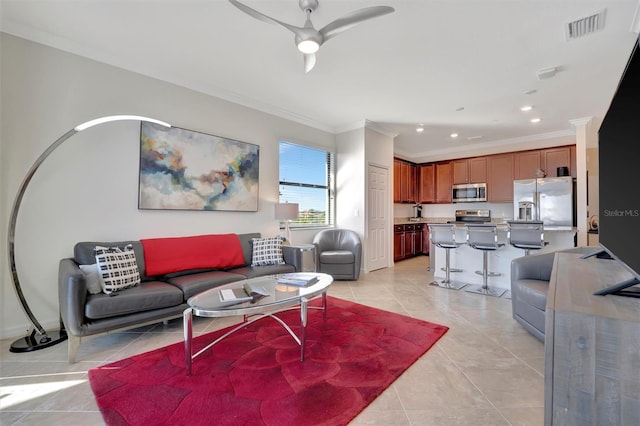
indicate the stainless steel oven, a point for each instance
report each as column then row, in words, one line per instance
column 469, row 192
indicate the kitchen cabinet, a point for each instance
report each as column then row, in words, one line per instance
column 469, row 170
column 526, row 163
column 398, row 242
column 500, row 178
column 443, row 182
column 427, row 184
column 397, row 168
column 407, row 241
column 478, row 170
column 460, row 170
column 405, row 181
column 552, row 158
column 425, row 240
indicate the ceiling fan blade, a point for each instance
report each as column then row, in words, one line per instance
column 264, row 18
column 348, row 21
column 309, row 61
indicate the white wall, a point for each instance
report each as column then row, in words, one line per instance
column 350, row 181
column 88, row 188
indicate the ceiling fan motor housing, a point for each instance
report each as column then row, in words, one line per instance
column 308, row 5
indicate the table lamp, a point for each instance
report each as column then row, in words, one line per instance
column 287, row 212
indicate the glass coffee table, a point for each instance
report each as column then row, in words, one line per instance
column 281, row 297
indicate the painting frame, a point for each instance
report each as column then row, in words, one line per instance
column 182, row 169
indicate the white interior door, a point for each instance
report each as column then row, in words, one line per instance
column 377, row 218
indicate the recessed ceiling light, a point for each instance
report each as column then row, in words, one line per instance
column 420, row 129
column 453, row 135
column 536, row 120
column 526, row 108
column 473, row 138
column 460, row 109
column 530, row 92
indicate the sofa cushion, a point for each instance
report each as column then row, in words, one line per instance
column 267, row 251
column 190, row 285
column 92, row 278
column 117, row 268
column 83, row 253
column 144, row 297
column 260, row 271
column 337, row 256
column 167, row 255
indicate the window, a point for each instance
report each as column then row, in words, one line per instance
column 306, row 178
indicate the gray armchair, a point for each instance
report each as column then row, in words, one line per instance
column 530, row 276
column 338, row 253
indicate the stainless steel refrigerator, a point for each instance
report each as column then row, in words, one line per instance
column 550, row 200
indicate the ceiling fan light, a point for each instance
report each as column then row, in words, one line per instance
column 308, row 46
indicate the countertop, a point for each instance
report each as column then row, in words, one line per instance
column 500, row 223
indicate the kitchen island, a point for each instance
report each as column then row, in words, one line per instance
column 470, row 260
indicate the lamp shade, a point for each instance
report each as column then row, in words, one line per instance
column 286, row 211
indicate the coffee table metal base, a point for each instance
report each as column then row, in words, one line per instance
column 300, row 340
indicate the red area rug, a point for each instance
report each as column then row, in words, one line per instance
column 255, row 377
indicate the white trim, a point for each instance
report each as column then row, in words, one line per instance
column 635, row 23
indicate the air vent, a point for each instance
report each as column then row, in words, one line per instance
column 585, row 26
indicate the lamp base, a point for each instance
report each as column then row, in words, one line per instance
column 31, row 342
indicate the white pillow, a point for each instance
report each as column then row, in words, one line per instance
column 117, row 268
column 267, row 251
column 92, row 277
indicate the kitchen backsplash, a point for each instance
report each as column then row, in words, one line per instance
column 498, row 210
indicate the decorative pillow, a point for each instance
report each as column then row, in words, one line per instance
column 117, row 268
column 92, row 277
column 267, row 251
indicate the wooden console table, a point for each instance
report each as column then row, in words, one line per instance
column 592, row 346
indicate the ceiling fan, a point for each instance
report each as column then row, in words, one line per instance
column 307, row 38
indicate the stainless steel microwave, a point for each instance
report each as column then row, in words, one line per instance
column 469, row 192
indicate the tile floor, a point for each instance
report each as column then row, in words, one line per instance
column 485, row 371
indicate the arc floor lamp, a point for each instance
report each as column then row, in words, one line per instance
column 32, row 341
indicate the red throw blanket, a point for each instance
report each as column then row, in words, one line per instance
column 166, row 255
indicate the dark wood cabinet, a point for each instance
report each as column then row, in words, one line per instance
column 443, row 182
column 469, row 170
column 427, row 184
column 460, row 170
column 526, row 163
column 405, row 181
column 398, row 242
column 407, row 241
column 431, row 183
column 552, row 158
column 425, row 240
column 397, row 169
column 500, row 178
column 478, row 170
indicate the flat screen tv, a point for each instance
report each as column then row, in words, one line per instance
column 619, row 178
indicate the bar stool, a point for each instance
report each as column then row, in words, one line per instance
column 526, row 235
column 484, row 238
column 444, row 236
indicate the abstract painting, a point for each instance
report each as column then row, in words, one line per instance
column 186, row 170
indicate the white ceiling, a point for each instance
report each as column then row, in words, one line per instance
column 417, row 65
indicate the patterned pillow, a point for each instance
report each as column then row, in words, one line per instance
column 267, row 251
column 117, row 268
column 92, row 278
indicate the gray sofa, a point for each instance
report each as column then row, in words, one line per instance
column 154, row 300
column 530, row 276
